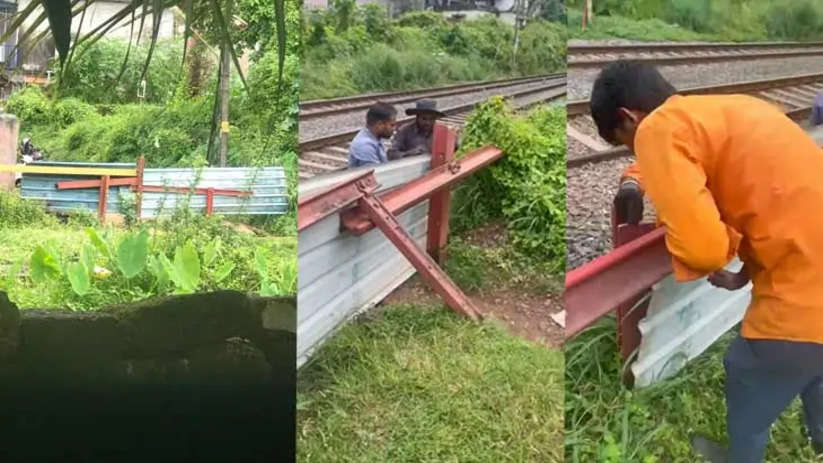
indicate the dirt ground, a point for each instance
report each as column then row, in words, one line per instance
column 523, row 312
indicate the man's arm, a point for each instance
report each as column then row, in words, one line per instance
column 399, row 144
column 697, row 238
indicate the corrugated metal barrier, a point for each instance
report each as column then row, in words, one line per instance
column 341, row 275
column 268, row 188
column 682, row 321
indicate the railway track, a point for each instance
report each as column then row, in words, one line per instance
column 598, row 55
column 794, row 94
column 313, row 109
column 329, row 153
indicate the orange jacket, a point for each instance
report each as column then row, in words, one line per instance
column 731, row 174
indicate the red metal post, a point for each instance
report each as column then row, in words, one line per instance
column 141, row 165
column 425, row 265
column 441, row 178
column 209, row 201
column 602, row 285
column 103, row 198
column 440, row 202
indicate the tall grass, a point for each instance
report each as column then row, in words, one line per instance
column 722, row 20
column 608, row 423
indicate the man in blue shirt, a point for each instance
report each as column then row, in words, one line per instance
column 367, row 146
column 817, row 110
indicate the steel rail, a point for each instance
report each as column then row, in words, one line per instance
column 315, row 109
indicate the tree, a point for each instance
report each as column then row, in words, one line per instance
column 212, row 17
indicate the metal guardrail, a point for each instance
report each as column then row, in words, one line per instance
column 268, row 187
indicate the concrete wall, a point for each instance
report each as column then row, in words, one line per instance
column 182, row 377
column 9, row 127
column 340, row 275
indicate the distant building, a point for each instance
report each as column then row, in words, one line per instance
column 36, row 60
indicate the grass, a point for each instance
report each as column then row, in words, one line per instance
column 25, row 226
column 612, row 27
column 416, row 383
column 606, row 422
column 419, row 384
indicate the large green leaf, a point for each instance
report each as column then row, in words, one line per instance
column 132, row 253
column 59, row 13
column 185, row 270
column 223, row 272
column 43, row 265
column 98, row 242
column 210, row 252
column 78, row 276
column 158, row 266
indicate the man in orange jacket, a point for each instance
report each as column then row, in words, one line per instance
column 732, row 175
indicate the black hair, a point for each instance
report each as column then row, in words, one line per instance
column 626, row 84
column 380, row 112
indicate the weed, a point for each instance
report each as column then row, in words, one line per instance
column 607, row 422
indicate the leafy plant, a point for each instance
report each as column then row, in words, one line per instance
column 527, row 186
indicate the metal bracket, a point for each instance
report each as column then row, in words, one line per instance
column 422, row 262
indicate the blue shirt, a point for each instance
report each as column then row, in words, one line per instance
column 366, row 149
column 817, row 110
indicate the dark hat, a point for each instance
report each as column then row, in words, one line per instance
column 425, row 106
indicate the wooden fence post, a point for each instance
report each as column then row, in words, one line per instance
column 440, row 202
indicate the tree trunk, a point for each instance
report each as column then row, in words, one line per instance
column 225, row 94
column 587, row 13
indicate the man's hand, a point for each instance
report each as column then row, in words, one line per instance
column 628, row 203
column 729, row 280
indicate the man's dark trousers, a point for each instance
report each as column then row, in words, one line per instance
column 762, row 379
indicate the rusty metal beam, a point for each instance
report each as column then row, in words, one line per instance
column 81, row 184
column 321, row 205
column 436, row 278
column 602, row 285
column 198, row 191
column 401, row 199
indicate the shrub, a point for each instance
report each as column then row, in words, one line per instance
column 93, row 74
column 30, row 105
column 528, row 186
column 16, row 211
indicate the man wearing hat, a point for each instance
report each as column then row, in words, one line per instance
column 415, row 138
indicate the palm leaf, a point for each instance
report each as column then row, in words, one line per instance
column 226, row 39
column 188, row 5
column 128, row 50
column 155, row 30
column 59, row 13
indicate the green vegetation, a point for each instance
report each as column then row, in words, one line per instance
column 421, row 384
column 350, row 50
column 527, row 187
column 83, row 265
column 683, row 20
column 606, row 422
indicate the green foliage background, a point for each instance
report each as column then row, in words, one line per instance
column 350, row 50
column 729, row 20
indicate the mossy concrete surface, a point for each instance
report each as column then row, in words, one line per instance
column 202, row 377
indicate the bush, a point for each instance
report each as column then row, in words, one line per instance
column 93, row 74
column 419, row 49
column 30, row 105
column 17, row 212
column 528, row 186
